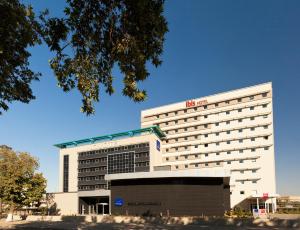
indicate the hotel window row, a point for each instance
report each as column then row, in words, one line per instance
column 217, row 143
column 92, row 187
column 198, row 117
column 94, row 169
column 110, row 150
column 206, row 135
column 209, row 106
column 192, row 156
column 216, row 163
column 91, row 178
column 208, row 125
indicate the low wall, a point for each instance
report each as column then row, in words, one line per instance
column 233, row 222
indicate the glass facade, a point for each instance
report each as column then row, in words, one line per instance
column 121, row 163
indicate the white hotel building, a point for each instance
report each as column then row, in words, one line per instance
column 231, row 130
column 200, row 156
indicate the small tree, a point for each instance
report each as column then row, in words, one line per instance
column 20, row 184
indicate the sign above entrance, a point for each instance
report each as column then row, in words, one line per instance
column 119, row 202
column 192, row 103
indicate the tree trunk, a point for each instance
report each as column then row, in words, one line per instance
column 10, row 214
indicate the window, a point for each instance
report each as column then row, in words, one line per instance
column 167, row 150
column 254, row 182
column 242, row 192
column 217, row 154
column 241, row 161
column 252, row 108
column 253, row 170
column 184, row 111
column 196, row 146
column 167, row 159
column 195, row 118
column 252, row 139
column 205, row 126
column 241, row 151
column 228, row 132
column 218, row 163
column 185, row 138
column 252, row 129
column 206, row 135
column 217, row 143
column 264, row 106
column 228, row 142
column 227, row 122
column 176, row 112
column 266, row 148
column 228, row 152
column 205, row 145
column 217, row 104
column 176, row 130
column 176, row 158
column 176, row 166
column 176, row 122
column 185, row 129
column 242, row 172
column 266, row 137
column 240, row 140
column 206, row 154
column 206, row 164
column 227, row 112
column 251, row 98
column 185, row 147
column 252, row 150
column 239, row 110
column 228, row 162
column 240, row 100
column 205, row 107
column 185, row 120
column 195, row 109
column 186, row 157
column 217, row 134
column 252, row 118
column 265, row 127
column 217, row 124
column 205, row 116
column 66, row 173
column 167, row 114
column 242, row 182
column 227, row 102
column 240, row 120
column 264, row 94
column 265, row 116
column 240, row 130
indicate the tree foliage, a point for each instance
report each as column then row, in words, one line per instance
column 20, row 184
column 18, row 31
column 90, row 39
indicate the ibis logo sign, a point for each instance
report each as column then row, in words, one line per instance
column 192, row 103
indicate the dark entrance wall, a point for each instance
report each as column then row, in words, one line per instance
column 85, row 202
column 171, row 196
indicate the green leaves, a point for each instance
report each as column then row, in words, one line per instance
column 95, row 35
column 18, row 31
column 92, row 38
column 20, row 184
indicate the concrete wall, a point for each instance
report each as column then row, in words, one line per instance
column 66, row 203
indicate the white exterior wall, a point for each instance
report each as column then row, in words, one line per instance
column 261, row 160
column 67, row 203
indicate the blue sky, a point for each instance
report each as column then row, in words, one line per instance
column 213, row 46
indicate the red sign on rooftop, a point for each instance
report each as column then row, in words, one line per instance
column 192, row 103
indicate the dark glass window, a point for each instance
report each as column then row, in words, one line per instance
column 66, row 174
column 121, row 163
